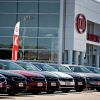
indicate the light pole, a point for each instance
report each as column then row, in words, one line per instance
column 26, row 18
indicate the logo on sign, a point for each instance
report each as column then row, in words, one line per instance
column 80, row 23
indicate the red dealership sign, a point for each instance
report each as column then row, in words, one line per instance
column 93, row 37
column 80, row 23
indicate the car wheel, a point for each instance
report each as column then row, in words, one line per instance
column 65, row 90
column 35, row 92
column 50, row 91
column 11, row 93
column 98, row 89
column 79, row 89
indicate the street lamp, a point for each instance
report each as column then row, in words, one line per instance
column 26, row 18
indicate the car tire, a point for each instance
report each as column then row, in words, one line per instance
column 50, row 91
column 79, row 89
column 11, row 93
column 36, row 92
column 98, row 89
column 65, row 90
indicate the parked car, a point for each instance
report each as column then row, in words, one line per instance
column 36, row 82
column 92, row 79
column 52, row 80
column 93, row 69
column 66, row 81
column 80, row 83
column 15, row 83
column 3, row 84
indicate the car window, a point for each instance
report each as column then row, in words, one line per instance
column 28, row 66
column 61, row 68
column 11, row 66
column 45, row 67
column 94, row 70
column 79, row 69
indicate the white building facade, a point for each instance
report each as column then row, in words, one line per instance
column 82, row 41
column 59, row 31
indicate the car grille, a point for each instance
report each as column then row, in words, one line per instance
column 2, row 79
column 66, row 79
column 17, row 79
column 52, row 79
column 96, row 79
column 78, row 79
column 93, row 79
column 38, row 79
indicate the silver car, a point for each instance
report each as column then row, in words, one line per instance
column 92, row 79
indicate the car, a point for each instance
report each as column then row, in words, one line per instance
column 52, row 80
column 80, row 83
column 92, row 79
column 3, row 84
column 93, row 69
column 66, row 81
column 15, row 83
column 36, row 83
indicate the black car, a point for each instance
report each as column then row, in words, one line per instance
column 80, row 83
column 36, row 83
column 92, row 79
column 52, row 80
column 66, row 81
column 15, row 83
column 3, row 84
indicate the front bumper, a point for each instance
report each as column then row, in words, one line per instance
column 80, row 83
column 53, row 85
column 67, row 84
column 36, row 86
column 93, row 84
column 16, row 87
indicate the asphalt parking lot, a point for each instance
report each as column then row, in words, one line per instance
column 85, row 95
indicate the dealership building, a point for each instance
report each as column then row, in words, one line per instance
column 59, row 31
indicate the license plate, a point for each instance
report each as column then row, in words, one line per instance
column 21, row 84
column 53, row 84
column 80, row 83
column 0, row 85
column 62, row 83
column 68, row 83
column 39, row 84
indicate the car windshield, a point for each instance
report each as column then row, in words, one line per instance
column 94, row 70
column 8, row 65
column 45, row 67
column 79, row 69
column 28, row 66
column 61, row 68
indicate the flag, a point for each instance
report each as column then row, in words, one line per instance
column 15, row 42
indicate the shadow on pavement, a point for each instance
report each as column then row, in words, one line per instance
column 6, row 97
column 85, row 91
column 56, row 93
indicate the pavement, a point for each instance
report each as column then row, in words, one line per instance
column 85, row 95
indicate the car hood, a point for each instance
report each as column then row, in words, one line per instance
column 47, row 74
column 73, row 74
column 9, row 74
column 89, row 74
column 27, row 73
column 60, row 74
